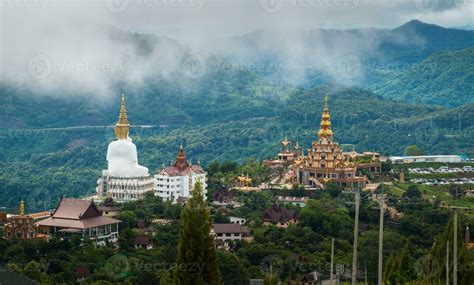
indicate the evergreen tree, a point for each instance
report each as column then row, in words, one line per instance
column 271, row 279
column 399, row 268
column 434, row 267
column 197, row 261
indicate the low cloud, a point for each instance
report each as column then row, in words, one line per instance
column 75, row 47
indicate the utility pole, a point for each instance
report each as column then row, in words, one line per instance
column 381, row 202
column 356, row 233
column 447, row 262
column 331, row 276
column 366, row 274
column 455, row 250
column 455, row 240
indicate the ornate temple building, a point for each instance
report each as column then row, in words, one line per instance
column 125, row 179
column 324, row 162
column 76, row 217
column 21, row 226
column 288, row 153
column 177, row 181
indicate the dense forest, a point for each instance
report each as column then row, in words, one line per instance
column 235, row 113
column 413, row 245
column 445, row 78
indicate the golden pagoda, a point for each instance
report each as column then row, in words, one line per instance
column 244, row 181
column 21, row 226
column 325, row 162
column 122, row 126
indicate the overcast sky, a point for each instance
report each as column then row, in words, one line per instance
column 75, row 32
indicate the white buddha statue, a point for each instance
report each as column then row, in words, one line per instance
column 122, row 154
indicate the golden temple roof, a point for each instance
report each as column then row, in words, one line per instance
column 22, row 208
column 325, row 127
column 122, row 126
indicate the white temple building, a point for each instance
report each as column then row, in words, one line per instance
column 177, row 181
column 124, row 180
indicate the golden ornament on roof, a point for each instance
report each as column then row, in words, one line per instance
column 122, row 126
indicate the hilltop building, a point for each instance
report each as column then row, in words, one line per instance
column 370, row 161
column 288, row 153
column 429, row 158
column 80, row 217
column 279, row 216
column 227, row 234
column 21, row 226
column 124, row 180
column 294, row 201
column 324, row 163
column 176, row 182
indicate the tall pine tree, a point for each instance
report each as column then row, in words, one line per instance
column 434, row 271
column 197, row 258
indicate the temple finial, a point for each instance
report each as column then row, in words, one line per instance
column 123, row 113
column 22, row 207
column 325, row 128
column 121, row 129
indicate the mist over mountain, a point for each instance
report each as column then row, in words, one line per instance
column 352, row 57
column 232, row 101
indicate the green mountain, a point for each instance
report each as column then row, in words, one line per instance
column 55, row 144
column 445, row 78
column 359, row 57
column 43, row 164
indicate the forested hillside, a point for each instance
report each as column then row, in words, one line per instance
column 233, row 113
column 445, row 78
column 71, row 159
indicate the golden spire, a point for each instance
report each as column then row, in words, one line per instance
column 121, row 129
column 22, row 207
column 325, row 127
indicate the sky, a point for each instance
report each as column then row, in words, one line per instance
column 71, row 39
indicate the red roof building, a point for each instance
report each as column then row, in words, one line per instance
column 143, row 242
column 82, row 272
column 226, row 234
column 178, row 180
column 279, row 216
column 82, row 217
